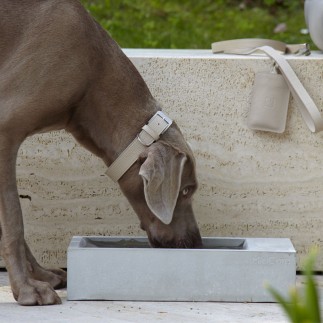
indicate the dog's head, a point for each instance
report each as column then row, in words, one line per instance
column 160, row 187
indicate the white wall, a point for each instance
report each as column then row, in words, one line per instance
column 252, row 184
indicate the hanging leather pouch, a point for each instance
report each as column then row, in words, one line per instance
column 269, row 103
column 269, row 92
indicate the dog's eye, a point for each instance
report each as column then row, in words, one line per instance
column 185, row 191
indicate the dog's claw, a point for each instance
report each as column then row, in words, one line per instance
column 37, row 293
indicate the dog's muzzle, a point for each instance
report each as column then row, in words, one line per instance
column 150, row 133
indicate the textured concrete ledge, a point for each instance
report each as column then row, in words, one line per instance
column 252, row 184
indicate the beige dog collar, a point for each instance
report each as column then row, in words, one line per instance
column 150, row 133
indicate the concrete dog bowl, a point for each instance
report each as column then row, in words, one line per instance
column 226, row 269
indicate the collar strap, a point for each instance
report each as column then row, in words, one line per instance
column 150, row 133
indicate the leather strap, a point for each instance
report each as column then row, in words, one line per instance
column 308, row 109
column 150, row 133
column 244, row 46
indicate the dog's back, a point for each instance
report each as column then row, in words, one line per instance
column 52, row 54
column 47, row 55
column 36, row 22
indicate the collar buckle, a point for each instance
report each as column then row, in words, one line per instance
column 150, row 133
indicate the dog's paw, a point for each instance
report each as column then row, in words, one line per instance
column 37, row 293
column 59, row 278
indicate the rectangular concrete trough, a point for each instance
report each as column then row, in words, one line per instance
column 226, row 269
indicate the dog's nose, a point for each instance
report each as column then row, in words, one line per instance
column 190, row 241
column 198, row 242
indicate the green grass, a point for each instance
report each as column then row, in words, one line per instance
column 196, row 23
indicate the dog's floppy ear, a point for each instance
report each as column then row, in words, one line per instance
column 162, row 173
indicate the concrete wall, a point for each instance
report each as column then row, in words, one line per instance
column 252, row 184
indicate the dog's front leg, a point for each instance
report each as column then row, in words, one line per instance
column 57, row 278
column 26, row 290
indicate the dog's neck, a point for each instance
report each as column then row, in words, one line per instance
column 149, row 134
column 113, row 109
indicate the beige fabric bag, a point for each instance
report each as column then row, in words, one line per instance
column 260, row 117
column 269, row 103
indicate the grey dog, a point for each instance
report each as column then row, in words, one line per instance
column 60, row 70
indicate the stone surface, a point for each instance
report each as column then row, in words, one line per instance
column 252, row 184
column 141, row 312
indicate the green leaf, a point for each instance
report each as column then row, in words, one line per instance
column 282, row 301
column 302, row 308
column 299, row 311
column 311, row 293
